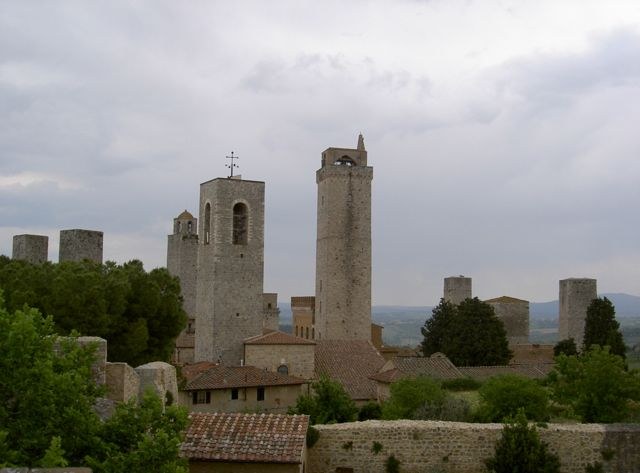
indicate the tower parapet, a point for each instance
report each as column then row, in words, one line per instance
column 31, row 248
column 457, row 289
column 77, row 245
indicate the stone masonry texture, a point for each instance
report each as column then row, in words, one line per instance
column 575, row 296
column 229, row 294
column 457, row 289
column 454, row 447
column 343, row 247
column 31, row 248
column 78, row 245
column 514, row 314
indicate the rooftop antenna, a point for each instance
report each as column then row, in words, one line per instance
column 232, row 165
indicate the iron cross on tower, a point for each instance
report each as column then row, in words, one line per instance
column 232, row 165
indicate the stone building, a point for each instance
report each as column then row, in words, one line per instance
column 343, row 251
column 78, row 245
column 270, row 311
column 240, row 389
column 282, row 353
column 31, row 248
column 229, row 294
column 576, row 295
column 514, row 314
column 303, row 316
column 457, row 289
column 182, row 261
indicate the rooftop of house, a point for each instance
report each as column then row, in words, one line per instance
column 235, row 437
column 351, row 363
column 436, row 366
column 277, row 338
column 225, row 377
column 191, row 371
column 506, row 300
column 482, row 373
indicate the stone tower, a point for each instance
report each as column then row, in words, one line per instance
column 182, row 260
column 229, row 300
column 78, row 245
column 514, row 314
column 457, row 289
column 31, row 248
column 575, row 296
column 343, row 247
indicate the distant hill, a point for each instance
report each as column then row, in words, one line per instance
column 402, row 323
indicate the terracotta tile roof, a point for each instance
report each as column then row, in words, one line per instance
column 265, row 438
column 351, row 363
column 192, row 370
column 437, row 366
column 224, row 377
column 482, row 373
column 277, row 338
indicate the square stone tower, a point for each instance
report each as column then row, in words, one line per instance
column 457, row 289
column 514, row 314
column 78, row 245
column 229, row 301
column 182, row 261
column 343, row 246
column 31, row 248
column 575, row 296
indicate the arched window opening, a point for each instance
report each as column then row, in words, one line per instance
column 283, row 369
column 240, row 224
column 207, row 223
column 307, row 333
column 344, row 161
column 178, row 227
column 296, row 330
column 190, row 227
column 313, row 333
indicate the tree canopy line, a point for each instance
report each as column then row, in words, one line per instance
column 139, row 313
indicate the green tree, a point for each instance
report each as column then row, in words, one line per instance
column 503, row 396
column 596, row 385
column 138, row 313
column 602, row 328
column 410, row 394
column 328, row 403
column 470, row 334
column 566, row 346
column 520, row 450
column 47, row 394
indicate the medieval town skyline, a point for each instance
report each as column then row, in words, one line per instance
column 502, row 135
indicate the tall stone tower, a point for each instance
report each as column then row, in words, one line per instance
column 31, row 248
column 182, row 261
column 575, row 296
column 78, row 245
column 343, row 247
column 229, row 301
column 514, row 314
column 457, row 289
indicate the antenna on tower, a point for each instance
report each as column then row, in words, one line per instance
column 232, row 165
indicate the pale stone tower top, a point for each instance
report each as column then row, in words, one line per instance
column 345, row 156
column 360, row 143
column 457, row 289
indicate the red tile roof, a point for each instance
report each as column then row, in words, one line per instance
column 351, row 363
column 437, row 366
column 224, row 377
column 277, row 338
column 192, row 370
column 227, row 437
column 482, row 373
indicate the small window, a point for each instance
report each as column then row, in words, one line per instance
column 260, row 393
column 313, row 333
column 234, row 394
column 190, row 227
column 201, row 397
column 178, row 227
column 283, row 369
column 296, row 330
column 307, row 332
column 207, row 223
column 269, row 306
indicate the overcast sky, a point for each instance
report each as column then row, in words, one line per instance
column 504, row 135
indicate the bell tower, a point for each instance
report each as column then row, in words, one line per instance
column 343, row 245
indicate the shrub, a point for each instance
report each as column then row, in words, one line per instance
column 461, row 384
column 502, row 396
column 520, row 449
column 451, row 409
column 409, row 394
column 312, row 436
column 370, row 410
column 566, row 346
column 392, row 465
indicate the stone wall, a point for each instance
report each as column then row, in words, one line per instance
column 270, row 311
column 31, row 248
column 123, row 382
column 298, row 358
column 433, row 446
column 78, row 245
column 160, row 377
